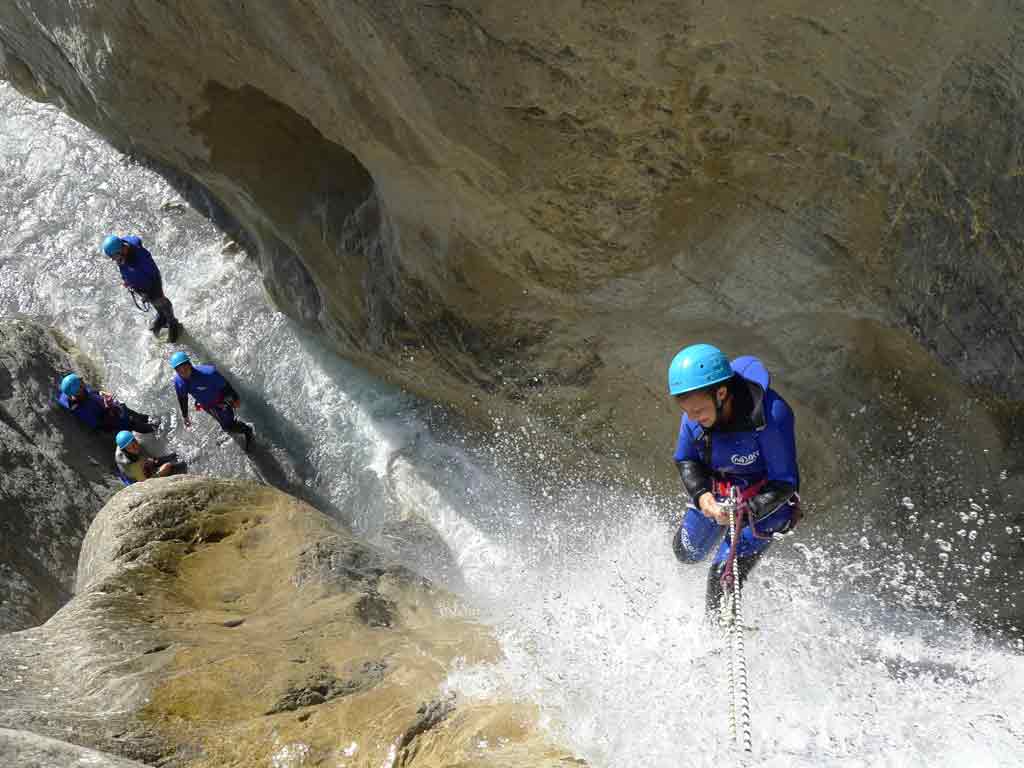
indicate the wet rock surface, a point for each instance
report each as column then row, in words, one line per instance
column 54, row 475
column 200, row 634
column 324, row 686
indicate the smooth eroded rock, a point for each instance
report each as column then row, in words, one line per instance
column 532, row 211
column 225, row 623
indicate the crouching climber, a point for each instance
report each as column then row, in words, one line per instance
column 736, row 445
column 98, row 409
column 134, row 464
column 212, row 393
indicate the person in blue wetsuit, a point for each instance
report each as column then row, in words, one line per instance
column 100, row 410
column 736, row 441
column 142, row 277
column 212, row 393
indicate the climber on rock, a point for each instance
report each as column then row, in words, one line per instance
column 736, row 444
column 134, row 464
column 211, row 392
column 142, row 278
column 98, row 409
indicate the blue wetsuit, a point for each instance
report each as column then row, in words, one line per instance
column 138, row 270
column 212, row 393
column 141, row 274
column 104, row 413
column 756, row 453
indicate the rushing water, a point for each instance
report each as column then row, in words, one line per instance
column 600, row 627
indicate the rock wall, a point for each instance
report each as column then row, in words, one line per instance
column 225, row 623
column 54, row 475
column 528, row 211
column 545, row 205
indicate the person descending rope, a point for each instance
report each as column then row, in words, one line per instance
column 98, row 409
column 212, row 393
column 142, row 278
column 736, row 443
column 135, row 465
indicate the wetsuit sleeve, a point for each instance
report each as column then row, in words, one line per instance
column 694, row 473
column 182, row 393
column 778, row 447
column 696, row 479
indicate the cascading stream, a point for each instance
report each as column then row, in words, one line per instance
column 600, row 626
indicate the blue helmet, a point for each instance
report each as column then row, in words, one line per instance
column 696, row 367
column 71, row 384
column 178, row 358
column 124, row 438
column 112, row 245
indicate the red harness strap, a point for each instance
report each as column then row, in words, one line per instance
column 724, row 488
column 214, row 404
column 739, row 497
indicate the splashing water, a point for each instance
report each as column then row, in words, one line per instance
column 600, row 626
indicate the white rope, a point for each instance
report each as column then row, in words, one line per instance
column 739, row 715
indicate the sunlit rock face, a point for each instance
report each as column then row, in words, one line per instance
column 533, row 209
column 54, row 475
column 225, row 623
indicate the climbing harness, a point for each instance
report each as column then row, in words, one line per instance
column 144, row 306
column 739, row 711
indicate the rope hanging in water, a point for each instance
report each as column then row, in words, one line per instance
column 739, row 711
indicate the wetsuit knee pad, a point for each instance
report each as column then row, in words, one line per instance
column 680, row 550
column 696, row 536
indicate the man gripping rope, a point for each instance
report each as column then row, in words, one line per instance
column 142, row 277
column 212, row 393
column 736, row 441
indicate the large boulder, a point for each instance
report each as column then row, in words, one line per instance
column 54, row 475
column 225, row 623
